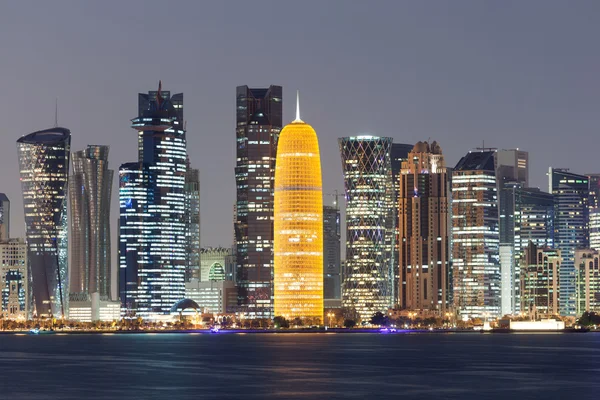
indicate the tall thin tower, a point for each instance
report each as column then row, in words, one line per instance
column 258, row 123
column 298, row 243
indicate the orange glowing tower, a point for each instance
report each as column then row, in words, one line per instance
column 298, row 239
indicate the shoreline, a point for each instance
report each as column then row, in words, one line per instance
column 292, row 331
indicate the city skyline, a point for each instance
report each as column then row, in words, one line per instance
column 447, row 83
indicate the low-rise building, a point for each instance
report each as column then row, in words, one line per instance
column 540, row 270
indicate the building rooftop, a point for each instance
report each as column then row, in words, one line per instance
column 47, row 136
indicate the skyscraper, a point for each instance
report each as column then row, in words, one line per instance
column 14, row 279
column 212, row 261
column 588, row 280
column 44, row 169
column 90, row 193
column 258, row 123
column 298, row 227
column 423, row 230
column 513, row 164
column 152, row 197
column 539, row 276
column 192, row 212
column 571, row 193
column 594, row 210
column 4, row 217
column 369, row 273
column 475, row 244
column 332, row 288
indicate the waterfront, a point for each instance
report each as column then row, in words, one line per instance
column 300, row 366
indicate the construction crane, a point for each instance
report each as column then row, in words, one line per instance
column 336, row 195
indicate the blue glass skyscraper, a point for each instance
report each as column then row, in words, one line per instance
column 152, row 224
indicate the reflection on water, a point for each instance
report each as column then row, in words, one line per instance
column 302, row 366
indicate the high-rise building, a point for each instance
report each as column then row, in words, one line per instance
column 332, row 285
column 398, row 154
column 14, row 279
column 423, row 230
column 90, row 194
column 475, row 243
column 588, row 280
column 525, row 215
column 571, row 193
column 4, row 217
column 213, row 263
column 594, row 210
column 192, row 211
column 513, row 164
column 368, row 276
column 298, row 215
column 44, row 169
column 258, row 123
column 152, row 197
column 540, row 289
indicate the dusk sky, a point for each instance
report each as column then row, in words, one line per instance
column 520, row 74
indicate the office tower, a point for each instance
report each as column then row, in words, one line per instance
column 571, row 193
column 192, row 216
column 214, row 297
column 588, row 280
column 213, row 262
column 525, row 215
column 332, row 285
column 44, row 169
column 540, row 287
column 368, row 279
column 258, row 123
column 475, row 244
column 398, row 154
column 4, row 217
column 594, row 210
column 152, row 198
column 298, row 227
column 513, row 165
column 90, row 195
column 13, row 279
column 423, row 230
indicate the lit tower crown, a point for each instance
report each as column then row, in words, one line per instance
column 298, row 241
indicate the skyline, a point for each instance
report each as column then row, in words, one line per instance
column 449, row 73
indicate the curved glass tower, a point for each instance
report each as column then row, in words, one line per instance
column 368, row 278
column 44, row 169
column 298, row 227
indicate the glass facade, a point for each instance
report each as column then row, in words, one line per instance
column 298, row 215
column 152, row 197
column 475, row 238
column 44, row 169
column 540, row 287
column 332, row 285
column 192, row 210
column 588, row 280
column 209, row 258
column 258, row 123
column 90, row 194
column 571, row 193
column 14, row 279
column 369, row 271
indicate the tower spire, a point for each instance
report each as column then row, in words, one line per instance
column 56, row 113
column 297, row 107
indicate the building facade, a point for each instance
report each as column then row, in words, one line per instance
column 213, row 263
column 4, row 217
column 192, row 213
column 14, row 279
column 423, row 230
column 588, row 280
column 90, row 200
column 368, row 285
column 258, row 124
column 44, row 158
column 298, row 227
column 475, row 237
column 332, row 284
column 215, row 297
column 540, row 287
column 152, row 197
column 571, row 195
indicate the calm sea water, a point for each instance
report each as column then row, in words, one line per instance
column 301, row 366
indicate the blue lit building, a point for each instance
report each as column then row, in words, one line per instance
column 571, row 196
column 44, row 169
column 153, row 221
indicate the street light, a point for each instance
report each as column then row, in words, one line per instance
column 330, row 315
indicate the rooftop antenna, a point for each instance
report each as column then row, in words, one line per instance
column 56, row 113
column 297, row 107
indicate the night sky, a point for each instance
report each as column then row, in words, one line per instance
column 520, row 74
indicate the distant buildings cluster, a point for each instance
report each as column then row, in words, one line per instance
column 469, row 241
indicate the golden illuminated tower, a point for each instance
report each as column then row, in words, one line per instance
column 298, row 239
